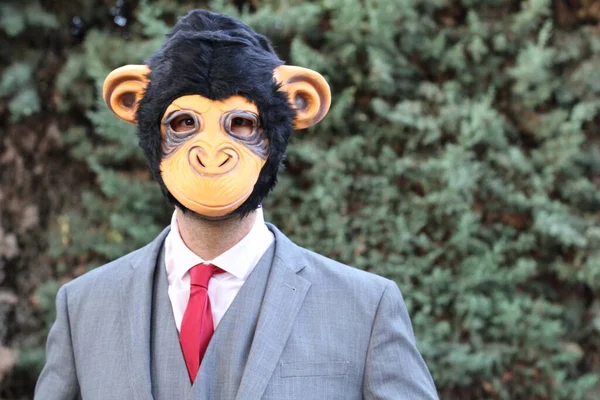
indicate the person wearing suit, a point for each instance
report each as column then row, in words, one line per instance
column 222, row 305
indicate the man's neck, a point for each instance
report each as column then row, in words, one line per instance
column 209, row 239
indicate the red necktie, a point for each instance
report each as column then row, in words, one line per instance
column 197, row 324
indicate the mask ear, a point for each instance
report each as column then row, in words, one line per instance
column 308, row 93
column 123, row 88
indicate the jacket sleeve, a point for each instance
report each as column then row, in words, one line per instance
column 58, row 379
column 394, row 368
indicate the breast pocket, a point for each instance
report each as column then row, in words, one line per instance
column 308, row 369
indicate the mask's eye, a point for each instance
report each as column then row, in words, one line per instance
column 184, row 123
column 241, row 126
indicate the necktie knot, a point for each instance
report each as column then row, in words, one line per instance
column 200, row 274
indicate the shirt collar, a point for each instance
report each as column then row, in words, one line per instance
column 238, row 261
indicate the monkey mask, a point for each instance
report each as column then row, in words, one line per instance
column 215, row 108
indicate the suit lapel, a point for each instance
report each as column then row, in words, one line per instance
column 136, row 297
column 283, row 299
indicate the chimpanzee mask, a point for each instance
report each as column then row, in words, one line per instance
column 215, row 108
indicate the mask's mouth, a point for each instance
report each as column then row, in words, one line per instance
column 215, row 210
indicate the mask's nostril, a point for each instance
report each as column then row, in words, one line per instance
column 225, row 162
column 199, row 160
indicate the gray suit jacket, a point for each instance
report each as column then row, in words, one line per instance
column 302, row 327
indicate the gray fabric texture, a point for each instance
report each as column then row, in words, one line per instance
column 302, row 327
column 169, row 374
column 223, row 365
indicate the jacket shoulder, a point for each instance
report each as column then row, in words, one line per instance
column 325, row 273
column 342, row 276
column 107, row 276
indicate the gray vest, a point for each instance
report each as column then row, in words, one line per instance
column 223, row 364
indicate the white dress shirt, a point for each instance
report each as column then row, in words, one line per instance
column 237, row 262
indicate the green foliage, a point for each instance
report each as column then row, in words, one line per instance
column 14, row 18
column 461, row 158
column 17, row 83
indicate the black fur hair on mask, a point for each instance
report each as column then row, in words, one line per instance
column 217, row 57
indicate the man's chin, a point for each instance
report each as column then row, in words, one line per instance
column 202, row 217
